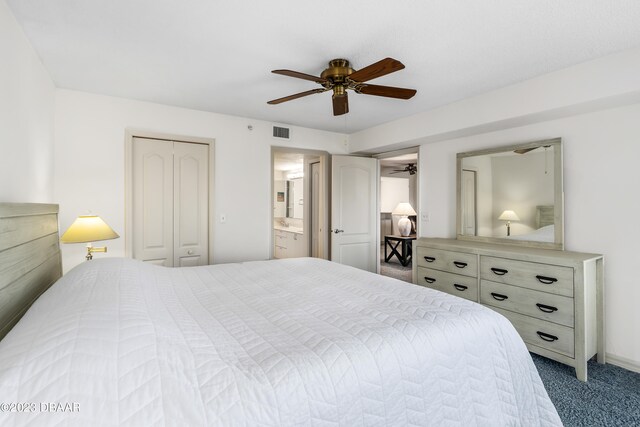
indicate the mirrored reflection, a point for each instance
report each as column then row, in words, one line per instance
column 511, row 194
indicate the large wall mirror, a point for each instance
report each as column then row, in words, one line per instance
column 512, row 195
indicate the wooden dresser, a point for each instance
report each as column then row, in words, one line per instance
column 553, row 298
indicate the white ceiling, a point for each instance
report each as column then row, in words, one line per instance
column 217, row 55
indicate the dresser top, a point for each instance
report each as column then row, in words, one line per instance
column 499, row 249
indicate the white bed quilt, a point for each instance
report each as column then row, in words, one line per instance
column 270, row 343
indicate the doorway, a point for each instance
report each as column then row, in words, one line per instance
column 398, row 212
column 300, row 203
column 469, row 202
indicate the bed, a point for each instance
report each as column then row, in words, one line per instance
column 545, row 226
column 283, row 342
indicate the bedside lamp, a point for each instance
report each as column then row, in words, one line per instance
column 404, row 224
column 87, row 229
column 509, row 216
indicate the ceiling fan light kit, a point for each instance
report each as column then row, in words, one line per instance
column 340, row 77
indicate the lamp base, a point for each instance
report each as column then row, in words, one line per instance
column 404, row 226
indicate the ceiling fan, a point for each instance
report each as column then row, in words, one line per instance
column 526, row 150
column 411, row 168
column 340, row 77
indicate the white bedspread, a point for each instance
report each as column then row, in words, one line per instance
column 281, row 343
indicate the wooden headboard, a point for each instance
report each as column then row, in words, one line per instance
column 30, row 258
column 545, row 216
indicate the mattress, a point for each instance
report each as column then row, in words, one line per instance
column 271, row 343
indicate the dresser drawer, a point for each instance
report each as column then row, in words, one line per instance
column 541, row 333
column 454, row 262
column 541, row 305
column 544, row 277
column 454, row 284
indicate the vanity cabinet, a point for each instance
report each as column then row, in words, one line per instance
column 288, row 244
column 554, row 299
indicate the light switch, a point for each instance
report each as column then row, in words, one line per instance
column 223, row 218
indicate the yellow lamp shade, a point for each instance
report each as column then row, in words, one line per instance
column 88, row 228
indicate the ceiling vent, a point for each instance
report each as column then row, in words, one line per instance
column 281, row 132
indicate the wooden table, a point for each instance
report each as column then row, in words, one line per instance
column 393, row 242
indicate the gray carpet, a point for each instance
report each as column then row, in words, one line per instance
column 393, row 268
column 611, row 397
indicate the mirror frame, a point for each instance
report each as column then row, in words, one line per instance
column 558, row 242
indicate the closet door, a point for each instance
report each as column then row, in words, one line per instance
column 153, row 201
column 170, row 202
column 191, row 204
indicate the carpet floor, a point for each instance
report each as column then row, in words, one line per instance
column 611, row 396
column 393, row 268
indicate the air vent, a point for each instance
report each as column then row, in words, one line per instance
column 280, row 132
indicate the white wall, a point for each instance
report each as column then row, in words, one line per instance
column 26, row 118
column 392, row 192
column 89, row 173
column 601, row 175
column 512, row 189
column 605, row 82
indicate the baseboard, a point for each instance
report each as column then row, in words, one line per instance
column 623, row 362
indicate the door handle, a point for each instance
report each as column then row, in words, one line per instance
column 189, row 252
column 336, row 231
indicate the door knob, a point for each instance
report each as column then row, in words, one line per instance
column 336, row 231
column 189, row 252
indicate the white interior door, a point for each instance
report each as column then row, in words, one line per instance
column 170, row 202
column 469, row 219
column 190, row 204
column 153, row 201
column 316, row 250
column 353, row 211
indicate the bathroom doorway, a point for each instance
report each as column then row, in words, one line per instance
column 300, row 203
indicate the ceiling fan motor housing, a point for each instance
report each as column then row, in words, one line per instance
column 338, row 71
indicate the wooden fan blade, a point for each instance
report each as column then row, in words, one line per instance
column 295, row 96
column 299, row 75
column 388, row 91
column 340, row 105
column 379, row 69
column 523, row 150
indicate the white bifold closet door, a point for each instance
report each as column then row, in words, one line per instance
column 170, row 202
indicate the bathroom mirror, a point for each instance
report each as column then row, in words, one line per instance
column 294, row 198
column 512, row 194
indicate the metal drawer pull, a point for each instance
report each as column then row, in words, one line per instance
column 460, row 264
column 429, row 279
column 499, row 271
column 546, row 280
column 546, row 308
column 547, row 337
column 429, row 259
column 499, row 297
column 460, row 287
